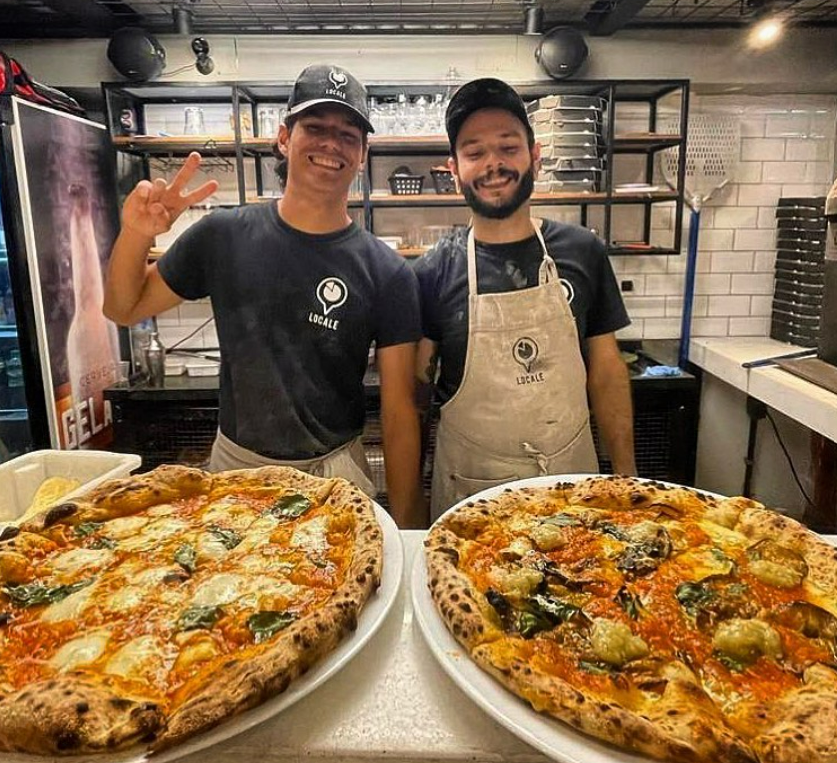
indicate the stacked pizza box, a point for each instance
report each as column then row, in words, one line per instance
column 569, row 130
column 800, row 270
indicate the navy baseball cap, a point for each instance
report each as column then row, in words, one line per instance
column 329, row 84
column 486, row 93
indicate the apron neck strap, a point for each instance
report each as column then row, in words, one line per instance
column 547, row 272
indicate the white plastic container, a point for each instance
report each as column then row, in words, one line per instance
column 175, row 367
column 21, row 477
column 203, row 369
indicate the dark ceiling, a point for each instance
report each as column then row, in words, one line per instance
column 98, row 18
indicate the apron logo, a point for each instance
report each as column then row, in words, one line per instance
column 569, row 292
column 525, row 353
column 331, row 293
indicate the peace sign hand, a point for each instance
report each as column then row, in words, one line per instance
column 152, row 207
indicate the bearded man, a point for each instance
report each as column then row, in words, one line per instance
column 518, row 319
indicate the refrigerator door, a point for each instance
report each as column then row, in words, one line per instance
column 66, row 185
column 15, row 431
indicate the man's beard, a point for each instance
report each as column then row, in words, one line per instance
column 508, row 208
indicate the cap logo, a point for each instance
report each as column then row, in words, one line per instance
column 339, row 79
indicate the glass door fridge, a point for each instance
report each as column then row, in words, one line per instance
column 58, row 205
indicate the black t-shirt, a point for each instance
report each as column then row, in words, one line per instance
column 583, row 267
column 295, row 315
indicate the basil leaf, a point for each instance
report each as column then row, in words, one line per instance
column 33, row 594
column 186, row 557
column 84, row 529
column 737, row 589
column 729, row 662
column 103, row 543
column 530, row 623
column 595, row 667
column 229, row 538
column 694, row 596
column 265, row 624
column 198, row 617
column 290, row 506
column 629, row 602
column 554, row 610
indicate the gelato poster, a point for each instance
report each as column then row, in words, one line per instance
column 67, row 183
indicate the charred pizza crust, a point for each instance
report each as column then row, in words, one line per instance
column 682, row 721
column 85, row 712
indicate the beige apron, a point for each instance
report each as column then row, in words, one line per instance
column 521, row 409
column 347, row 461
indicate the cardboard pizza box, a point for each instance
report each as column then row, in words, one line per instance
column 22, row 477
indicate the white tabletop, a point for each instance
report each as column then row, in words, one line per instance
column 800, row 400
column 392, row 702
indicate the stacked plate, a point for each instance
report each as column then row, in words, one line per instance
column 800, row 266
column 569, row 129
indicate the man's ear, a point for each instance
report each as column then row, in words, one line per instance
column 452, row 166
column 537, row 160
column 282, row 139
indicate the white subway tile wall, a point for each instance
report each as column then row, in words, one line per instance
column 787, row 149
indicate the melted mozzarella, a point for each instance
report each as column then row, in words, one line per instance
column 163, row 510
column 124, row 527
column 80, row 651
column 228, row 513
column 218, row 590
column 79, row 562
column 154, row 534
column 126, row 598
column 139, row 659
column 311, row 535
column 69, row 608
column 264, row 592
column 210, row 548
column 258, row 533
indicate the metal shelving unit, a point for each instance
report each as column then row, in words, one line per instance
column 235, row 147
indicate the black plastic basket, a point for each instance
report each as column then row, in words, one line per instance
column 443, row 181
column 405, row 185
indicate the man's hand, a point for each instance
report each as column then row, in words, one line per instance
column 152, row 207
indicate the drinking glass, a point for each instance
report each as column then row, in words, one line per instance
column 193, row 121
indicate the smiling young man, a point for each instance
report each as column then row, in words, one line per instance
column 519, row 316
column 299, row 293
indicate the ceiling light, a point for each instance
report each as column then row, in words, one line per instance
column 533, row 18
column 766, row 32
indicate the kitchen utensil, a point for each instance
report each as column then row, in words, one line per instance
column 712, row 147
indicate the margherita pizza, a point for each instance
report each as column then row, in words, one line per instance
column 157, row 606
column 656, row 618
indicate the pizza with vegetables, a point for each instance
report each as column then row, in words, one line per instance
column 156, row 606
column 665, row 621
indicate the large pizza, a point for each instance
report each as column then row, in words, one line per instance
column 156, row 606
column 657, row 618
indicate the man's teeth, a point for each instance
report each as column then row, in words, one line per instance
column 324, row 162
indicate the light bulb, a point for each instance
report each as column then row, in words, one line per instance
column 766, row 32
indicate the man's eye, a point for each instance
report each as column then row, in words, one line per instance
column 473, row 156
column 511, row 149
column 350, row 138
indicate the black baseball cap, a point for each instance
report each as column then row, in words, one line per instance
column 486, row 93
column 326, row 83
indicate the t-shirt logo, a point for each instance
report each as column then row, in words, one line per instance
column 331, row 293
column 569, row 292
column 525, row 352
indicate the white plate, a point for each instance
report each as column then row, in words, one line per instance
column 552, row 737
column 371, row 618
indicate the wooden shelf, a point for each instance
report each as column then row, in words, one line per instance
column 644, row 142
